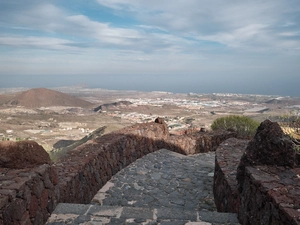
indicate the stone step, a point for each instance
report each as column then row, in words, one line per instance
column 95, row 214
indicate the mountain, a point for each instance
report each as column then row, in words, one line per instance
column 42, row 97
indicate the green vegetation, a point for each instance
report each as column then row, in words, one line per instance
column 16, row 139
column 244, row 126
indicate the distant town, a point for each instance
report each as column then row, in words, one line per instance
column 47, row 120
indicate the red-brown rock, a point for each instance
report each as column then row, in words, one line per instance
column 23, row 154
column 270, row 146
column 159, row 120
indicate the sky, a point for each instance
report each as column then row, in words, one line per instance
column 180, row 46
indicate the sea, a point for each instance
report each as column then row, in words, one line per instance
column 167, row 83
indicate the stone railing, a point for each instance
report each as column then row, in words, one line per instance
column 228, row 156
column 199, row 142
column 28, row 196
column 271, row 195
column 260, row 179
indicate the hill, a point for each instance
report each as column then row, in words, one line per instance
column 284, row 101
column 42, row 97
column 112, row 106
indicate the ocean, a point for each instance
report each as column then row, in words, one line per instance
column 168, row 83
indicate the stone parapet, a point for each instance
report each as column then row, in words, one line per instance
column 251, row 179
column 199, row 142
column 87, row 168
column 271, row 195
column 228, row 156
column 28, row 196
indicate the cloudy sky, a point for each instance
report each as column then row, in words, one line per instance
column 229, row 46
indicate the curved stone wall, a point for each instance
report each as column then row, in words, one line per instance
column 228, row 156
column 28, row 196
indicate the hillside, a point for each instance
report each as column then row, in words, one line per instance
column 112, row 106
column 284, row 101
column 42, row 97
column 62, row 147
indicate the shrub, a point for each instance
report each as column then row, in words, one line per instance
column 244, row 126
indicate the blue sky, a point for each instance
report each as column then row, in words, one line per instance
column 250, row 44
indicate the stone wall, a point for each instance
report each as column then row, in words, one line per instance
column 271, row 195
column 199, row 142
column 28, row 196
column 228, row 156
column 259, row 179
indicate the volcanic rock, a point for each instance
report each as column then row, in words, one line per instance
column 203, row 129
column 159, row 120
column 23, row 154
column 270, row 146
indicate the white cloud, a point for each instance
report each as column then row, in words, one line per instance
column 240, row 24
column 37, row 42
column 184, row 36
column 102, row 31
column 290, row 34
column 165, row 26
column 70, row 28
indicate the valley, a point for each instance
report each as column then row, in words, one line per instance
column 71, row 113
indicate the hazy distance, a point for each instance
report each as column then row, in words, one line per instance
column 168, row 83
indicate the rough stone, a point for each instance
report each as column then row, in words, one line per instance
column 228, row 156
column 159, row 120
column 23, row 154
column 267, row 189
column 270, row 146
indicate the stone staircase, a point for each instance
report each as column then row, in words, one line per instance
column 163, row 188
column 94, row 214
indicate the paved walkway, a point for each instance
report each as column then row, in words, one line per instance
column 163, row 188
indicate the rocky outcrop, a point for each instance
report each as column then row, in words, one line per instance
column 112, row 106
column 23, row 154
column 270, row 146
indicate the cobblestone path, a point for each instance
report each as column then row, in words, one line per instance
column 163, row 188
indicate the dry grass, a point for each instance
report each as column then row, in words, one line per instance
column 291, row 131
